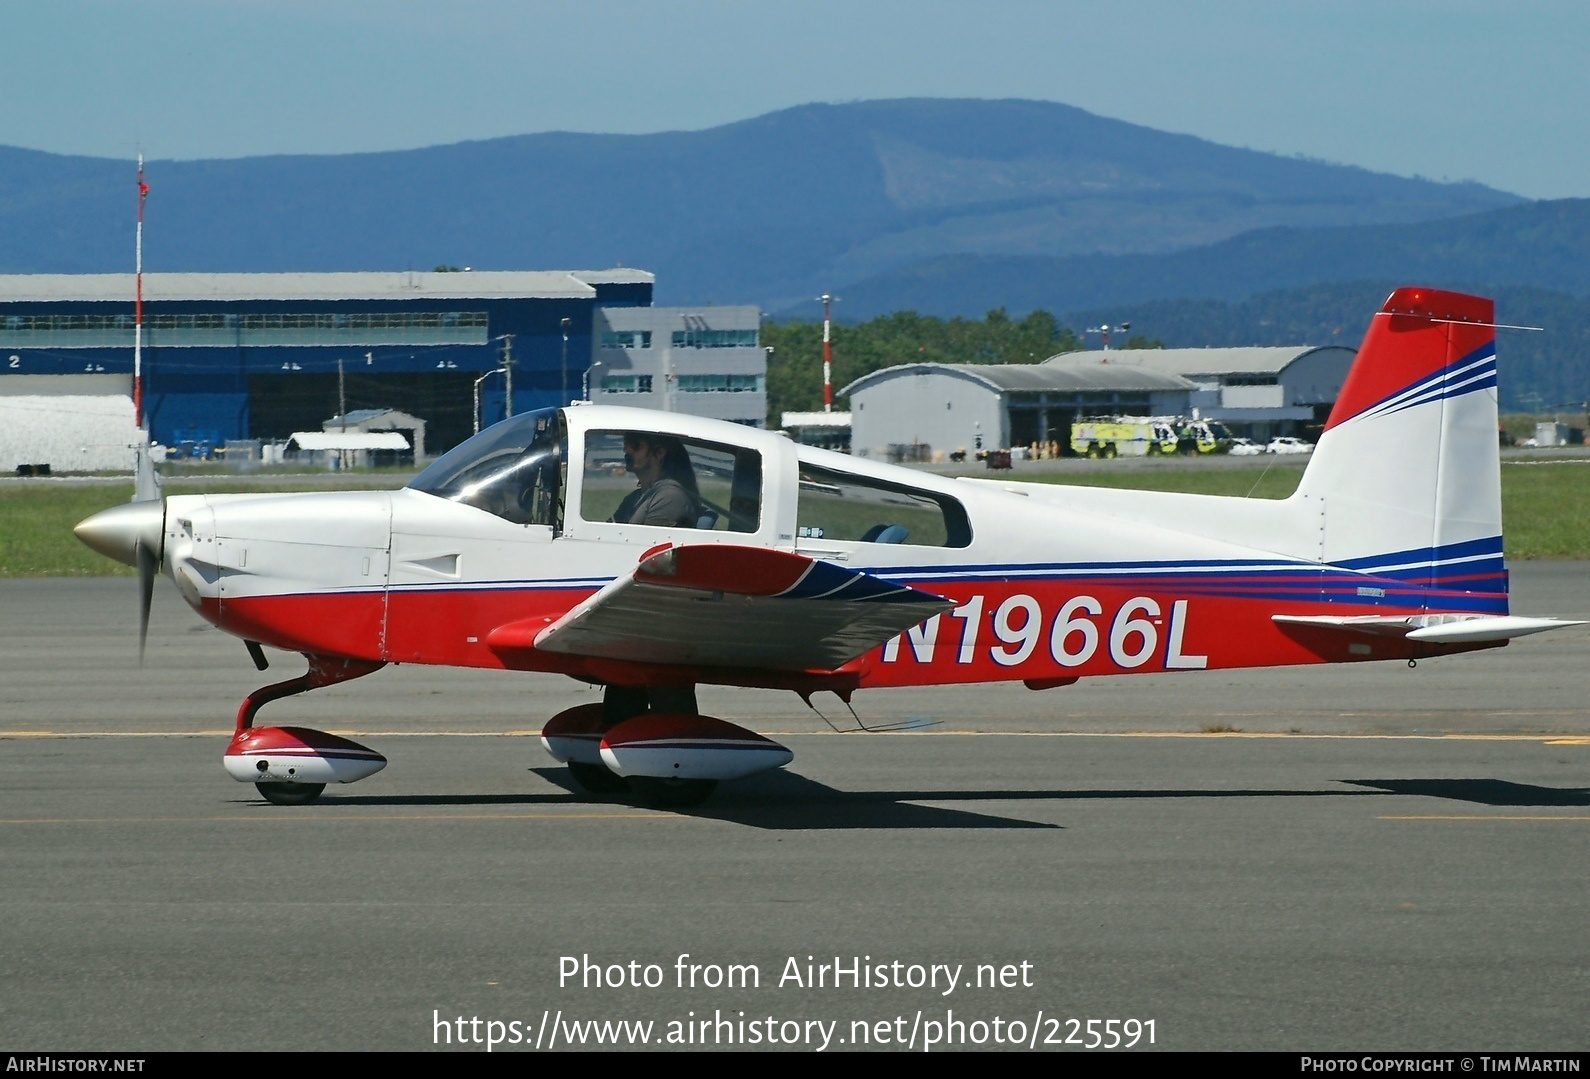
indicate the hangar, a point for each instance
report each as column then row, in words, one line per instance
column 1258, row 392
column 921, row 411
column 261, row 355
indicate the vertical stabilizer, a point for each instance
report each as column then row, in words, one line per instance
column 1407, row 472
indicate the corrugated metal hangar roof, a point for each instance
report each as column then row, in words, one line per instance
column 1254, row 359
column 1038, row 377
column 408, row 285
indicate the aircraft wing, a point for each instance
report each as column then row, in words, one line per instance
column 730, row 606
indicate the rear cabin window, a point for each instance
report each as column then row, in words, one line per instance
column 639, row 477
column 838, row 506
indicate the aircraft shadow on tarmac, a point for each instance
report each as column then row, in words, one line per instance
column 1490, row 792
column 786, row 801
column 775, row 800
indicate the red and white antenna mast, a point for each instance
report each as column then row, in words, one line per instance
column 138, row 303
column 828, row 353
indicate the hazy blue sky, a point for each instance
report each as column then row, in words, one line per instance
column 1456, row 89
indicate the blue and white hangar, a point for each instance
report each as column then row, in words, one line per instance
column 261, row 356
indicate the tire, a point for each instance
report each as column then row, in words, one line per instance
column 672, row 793
column 1093, row 450
column 289, row 794
column 1109, row 450
column 1153, row 449
column 597, row 778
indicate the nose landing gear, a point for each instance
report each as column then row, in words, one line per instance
column 292, row 765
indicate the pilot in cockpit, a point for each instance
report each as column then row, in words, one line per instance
column 667, row 494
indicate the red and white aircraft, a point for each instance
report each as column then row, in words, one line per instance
column 802, row 569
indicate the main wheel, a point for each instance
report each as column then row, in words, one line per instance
column 289, row 794
column 672, row 793
column 597, row 778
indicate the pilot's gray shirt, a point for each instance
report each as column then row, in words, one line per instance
column 665, row 502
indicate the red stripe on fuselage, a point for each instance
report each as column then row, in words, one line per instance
column 1034, row 630
column 325, row 623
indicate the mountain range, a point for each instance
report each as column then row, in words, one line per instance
column 770, row 210
column 945, row 207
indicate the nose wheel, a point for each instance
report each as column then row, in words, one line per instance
column 289, row 794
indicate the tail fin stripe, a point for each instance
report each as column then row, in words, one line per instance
column 1460, row 376
column 1482, row 380
column 1449, row 565
column 1494, row 579
column 1447, row 382
column 1451, row 552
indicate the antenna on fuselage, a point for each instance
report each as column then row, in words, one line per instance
column 914, row 723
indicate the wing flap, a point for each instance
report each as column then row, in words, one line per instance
column 730, row 606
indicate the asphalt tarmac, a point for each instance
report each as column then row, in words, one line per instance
column 1351, row 858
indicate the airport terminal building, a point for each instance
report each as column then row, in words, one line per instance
column 706, row 361
column 232, row 356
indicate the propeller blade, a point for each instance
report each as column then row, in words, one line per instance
column 148, row 566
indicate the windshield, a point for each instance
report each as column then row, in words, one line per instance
column 513, row 469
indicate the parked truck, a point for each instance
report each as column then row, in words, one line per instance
column 1203, row 437
column 1148, row 436
column 1122, row 436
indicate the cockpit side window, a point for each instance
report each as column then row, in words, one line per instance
column 515, row 470
column 840, row 506
column 648, row 478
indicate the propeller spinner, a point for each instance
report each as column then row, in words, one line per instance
column 133, row 534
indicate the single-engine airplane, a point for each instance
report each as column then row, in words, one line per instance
column 744, row 559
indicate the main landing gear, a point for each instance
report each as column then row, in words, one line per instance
column 291, row 766
column 671, row 759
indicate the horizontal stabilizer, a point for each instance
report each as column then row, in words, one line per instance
column 1432, row 628
column 722, row 605
column 1493, row 628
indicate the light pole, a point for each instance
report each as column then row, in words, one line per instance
column 565, row 398
column 507, row 370
column 766, row 396
column 478, row 381
column 586, row 388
